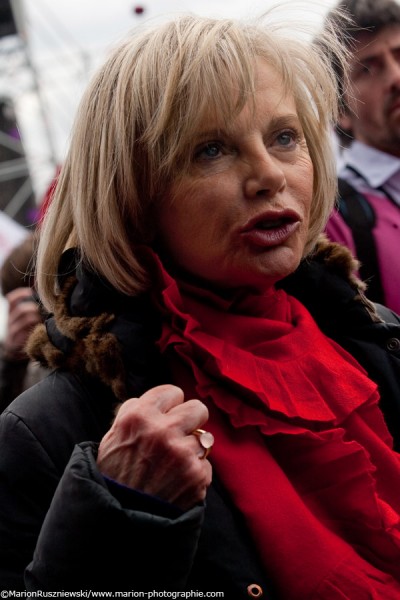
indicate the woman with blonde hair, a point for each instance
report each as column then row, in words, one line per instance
column 224, row 406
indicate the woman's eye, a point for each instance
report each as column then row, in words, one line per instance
column 209, row 151
column 287, row 139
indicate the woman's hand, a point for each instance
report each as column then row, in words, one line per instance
column 150, row 447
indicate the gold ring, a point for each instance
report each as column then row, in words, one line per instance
column 206, row 440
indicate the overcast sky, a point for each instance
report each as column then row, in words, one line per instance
column 92, row 23
column 66, row 39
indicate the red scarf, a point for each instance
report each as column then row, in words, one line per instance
column 300, row 442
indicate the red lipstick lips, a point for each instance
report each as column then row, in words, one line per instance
column 271, row 228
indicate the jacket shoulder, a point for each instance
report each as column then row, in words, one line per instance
column 60, row 411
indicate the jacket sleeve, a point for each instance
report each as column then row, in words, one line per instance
column 28, row 478
column 90, row 541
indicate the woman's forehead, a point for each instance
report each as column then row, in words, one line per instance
column 268, row 84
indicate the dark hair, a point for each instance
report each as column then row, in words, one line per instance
column 351, row 17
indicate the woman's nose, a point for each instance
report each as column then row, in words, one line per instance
column 265, row 176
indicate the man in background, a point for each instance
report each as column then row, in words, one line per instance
column 368, row 218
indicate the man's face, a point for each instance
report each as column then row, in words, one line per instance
column 374, row 95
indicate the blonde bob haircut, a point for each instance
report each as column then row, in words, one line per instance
column 134, row 127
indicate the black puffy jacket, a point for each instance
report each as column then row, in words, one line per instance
column 75, row 531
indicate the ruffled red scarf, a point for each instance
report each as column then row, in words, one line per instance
column 301, row 444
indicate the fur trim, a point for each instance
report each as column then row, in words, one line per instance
column 339, row 260
column 94, row 350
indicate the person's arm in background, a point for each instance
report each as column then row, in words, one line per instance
column 23, row 315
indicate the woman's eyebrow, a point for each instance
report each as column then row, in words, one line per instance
column 283, row 120
column 274, row 122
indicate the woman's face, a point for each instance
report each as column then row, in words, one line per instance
column 239, row 217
